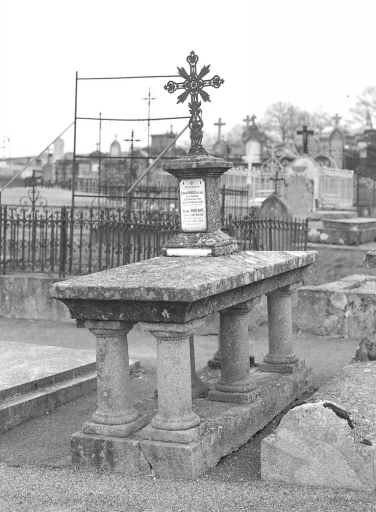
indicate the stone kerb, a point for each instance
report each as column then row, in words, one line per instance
column 342, row 309
column 171, row 297
column 353, row 231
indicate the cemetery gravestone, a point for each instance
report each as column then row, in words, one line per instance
column 299, row 195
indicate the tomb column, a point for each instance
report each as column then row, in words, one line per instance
column 174, row 378
column 281, row 357
column 235, row 384
column 113, row 381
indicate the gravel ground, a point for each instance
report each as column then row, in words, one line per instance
column 35, row 470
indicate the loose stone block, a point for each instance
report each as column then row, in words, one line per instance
column 342, row 309
column 314, row 446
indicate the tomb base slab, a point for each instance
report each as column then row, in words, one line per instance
column 109, row 453
column 224, row 428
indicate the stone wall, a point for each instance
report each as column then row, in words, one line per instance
column 27, row 296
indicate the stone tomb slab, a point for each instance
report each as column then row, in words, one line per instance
column 354, row 231
column 341, row 309
column 35, row 379
column 224, row 428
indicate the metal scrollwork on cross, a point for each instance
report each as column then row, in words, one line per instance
column 194, row 85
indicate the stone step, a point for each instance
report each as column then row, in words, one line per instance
column 35, row 379
column 19, row 409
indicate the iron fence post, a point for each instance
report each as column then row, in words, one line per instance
column 63, row 241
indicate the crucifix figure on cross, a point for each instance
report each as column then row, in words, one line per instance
column 194, row 85
column 305, row 132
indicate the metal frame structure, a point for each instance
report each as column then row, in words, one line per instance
column 100, row 119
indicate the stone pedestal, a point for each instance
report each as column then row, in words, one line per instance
column 174, row 381
column 201, row 236
column 235, row 384
column 115, row 414
column 281, row 357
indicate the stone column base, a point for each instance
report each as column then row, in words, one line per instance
column 236, row 398
column 123, row 430
column 171, row 436
column 282, row 367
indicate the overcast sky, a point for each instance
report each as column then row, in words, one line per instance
column 313, row 54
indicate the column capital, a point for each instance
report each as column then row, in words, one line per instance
column 286, row 290
column 242, row 308
column 105, row 327
column 172, row 330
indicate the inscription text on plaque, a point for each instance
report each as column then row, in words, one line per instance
column 193, row 205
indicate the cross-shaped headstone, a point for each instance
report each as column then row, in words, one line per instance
column 132, row 140
column 194, row 85
column 305, row 132
column 336, row 119
column 219, row 124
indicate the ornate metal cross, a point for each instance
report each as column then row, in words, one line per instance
column 194, row 85
column 275, row 166
column 276, row 179
column 305, row 134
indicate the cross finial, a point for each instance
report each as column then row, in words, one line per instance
column 219, row 124
column 336, row 120
column 247, row 120
column 194, row 85
column 305, row 132
column 132, row 140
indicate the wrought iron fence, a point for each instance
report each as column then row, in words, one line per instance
column 37, row 238
column 56, row 243
column 254, row 234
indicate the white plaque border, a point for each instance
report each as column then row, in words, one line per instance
column 184, row 230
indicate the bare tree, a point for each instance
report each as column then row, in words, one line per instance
column 319, row 120
column 364, row 110
column 284, row 118
column 236, row 133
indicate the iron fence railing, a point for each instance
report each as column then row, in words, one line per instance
column 57, row 243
